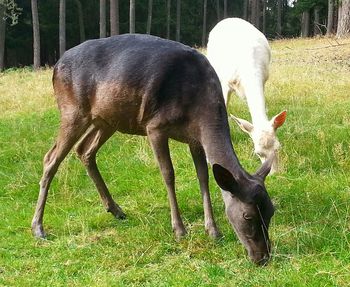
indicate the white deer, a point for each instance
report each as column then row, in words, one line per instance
column 240, row 55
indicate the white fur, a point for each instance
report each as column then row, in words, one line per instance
column 240, row 54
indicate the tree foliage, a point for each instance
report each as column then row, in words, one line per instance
column 12, row 11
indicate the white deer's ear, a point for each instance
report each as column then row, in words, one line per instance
column 243, row 124
column 278, row 120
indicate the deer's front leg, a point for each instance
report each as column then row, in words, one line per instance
column 160, row 147
column 200, row 163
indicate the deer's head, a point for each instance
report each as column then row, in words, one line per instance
column 266, row 144
column 249, row 209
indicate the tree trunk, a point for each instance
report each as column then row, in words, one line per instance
column 218, row 10
column 62, row 27
column 330, row 17
column 225, row 8
column 114, row 16
column 264, row 17
column 178, row 19
column 279, row 18
column 168, row 6
column 102, row 18
column 132, row 17
column 253, row 12
column 317, row 29
column 339, row 8
column 36, row 34
column 149, row 18
column 343, row 29
column 258, row 13
column 204, row 31
column 305, row 24
column 245, row 9
column 2, row 37
column 81, row 21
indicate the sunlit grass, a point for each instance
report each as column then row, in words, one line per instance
column 23, row 91
column 87, row 247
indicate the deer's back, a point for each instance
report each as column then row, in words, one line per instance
column 130, row 80
column 237, row 49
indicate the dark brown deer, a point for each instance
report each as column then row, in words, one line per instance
column 161, row 89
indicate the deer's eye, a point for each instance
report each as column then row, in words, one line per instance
column 246, row 216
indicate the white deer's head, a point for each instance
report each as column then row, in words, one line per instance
column 264, row 137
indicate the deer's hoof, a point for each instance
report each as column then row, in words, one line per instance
column 180, row 233
column 214, row 233
column 117, row 212
column 120, row 215
column 38, row 231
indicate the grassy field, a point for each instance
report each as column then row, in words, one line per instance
column 87, row 247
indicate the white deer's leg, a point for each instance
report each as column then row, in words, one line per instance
column 67, row 137
column 86, row 151
column 200, row 163
column 160, row 147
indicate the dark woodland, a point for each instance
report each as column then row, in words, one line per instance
column 26, row 40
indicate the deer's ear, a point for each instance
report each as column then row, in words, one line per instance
column 225, row 180
column 264, row 170
column 279, row 120
column 243, row 124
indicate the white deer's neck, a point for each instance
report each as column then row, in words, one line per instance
column 256, row 103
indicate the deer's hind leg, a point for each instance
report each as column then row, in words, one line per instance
column 86, row 150
column 71, row 129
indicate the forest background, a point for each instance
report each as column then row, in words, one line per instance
column 37, row 32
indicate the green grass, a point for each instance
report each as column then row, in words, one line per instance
column 87, row 247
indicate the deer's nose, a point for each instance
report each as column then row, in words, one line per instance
column 263, row 260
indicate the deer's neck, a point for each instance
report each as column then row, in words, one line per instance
column 256, row 103
column 219, row 150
